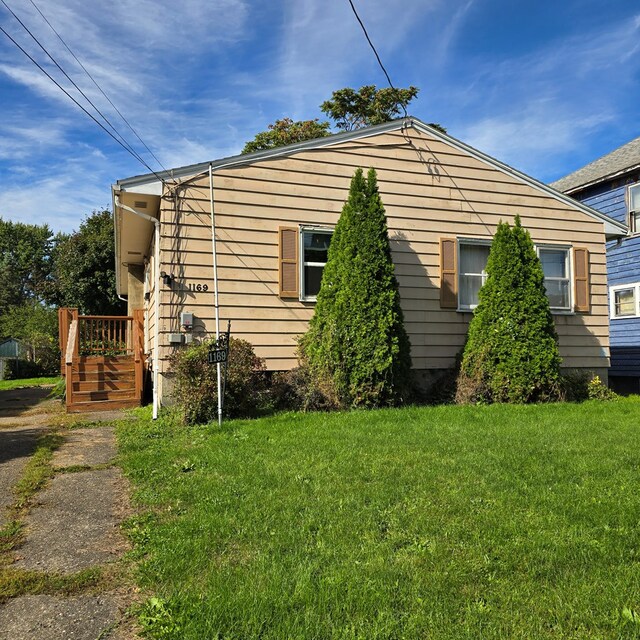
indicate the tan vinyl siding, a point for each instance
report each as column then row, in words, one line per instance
column 430, row 191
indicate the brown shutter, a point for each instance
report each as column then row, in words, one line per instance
column 581, row 279
column 288, row 262
column 448, row 274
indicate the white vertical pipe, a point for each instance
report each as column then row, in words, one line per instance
column 156, row 328
column 215, row 289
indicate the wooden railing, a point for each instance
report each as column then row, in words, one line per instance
column 93, row 338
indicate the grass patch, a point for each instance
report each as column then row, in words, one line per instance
column 6, row 385
column 442, row 522
column 18, row 582
column 37, row 471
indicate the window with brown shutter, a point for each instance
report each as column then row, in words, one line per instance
column 288, row 262
column 581, row 279
column 448, row 274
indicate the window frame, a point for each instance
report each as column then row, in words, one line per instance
column 568, row 249
column 633, row 216
column 469, row 241
column 635, row 287
column 569, row 264
column 302, row 229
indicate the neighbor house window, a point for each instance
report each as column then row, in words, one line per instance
column 472, row 274
column 634, row 208
column 556, row 265
column 624, row 300
column 314, row 247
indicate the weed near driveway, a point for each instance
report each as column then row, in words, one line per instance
column 446, row 522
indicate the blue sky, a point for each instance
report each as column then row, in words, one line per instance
column 544, row 86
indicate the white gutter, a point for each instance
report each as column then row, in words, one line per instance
column 215, row 290
column 156, row 276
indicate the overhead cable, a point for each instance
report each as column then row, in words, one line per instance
column 366, row 35
column 46, row 73
column 135, row 133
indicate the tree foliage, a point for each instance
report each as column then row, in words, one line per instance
column 351, row 109
column 511, row 354
column 85, row 267
column 25, row 263
column 37, row 325
column 356, row 338
column 287, row 131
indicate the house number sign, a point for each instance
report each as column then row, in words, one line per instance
column 219, row 350
column 193, row 286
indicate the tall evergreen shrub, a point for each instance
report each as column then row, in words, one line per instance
column 356, row 342
column 511, row 354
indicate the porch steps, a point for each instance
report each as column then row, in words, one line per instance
column 101, row 383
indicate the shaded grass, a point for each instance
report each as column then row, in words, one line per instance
column 6, row 385
column 442, row 522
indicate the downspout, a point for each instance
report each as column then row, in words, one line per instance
column 215, row 289
column 156, row 277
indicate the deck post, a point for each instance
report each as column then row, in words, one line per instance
column 138, row 351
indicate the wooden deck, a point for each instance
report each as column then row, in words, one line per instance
column 102, row 360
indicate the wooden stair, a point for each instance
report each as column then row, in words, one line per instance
column 102, row 381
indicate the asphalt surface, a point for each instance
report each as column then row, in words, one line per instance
column 73, row 524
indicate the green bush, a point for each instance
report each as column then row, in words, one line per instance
column 196, row 392
column 598, row 390
column 16, row 369
column 575, row 385
column 356, row 343
column 300, row 390
column 511, row 353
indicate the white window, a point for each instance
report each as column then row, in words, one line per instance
column 634, row 208
column 472, row 274
column 556, row 265
column 624, row 301
column 314, row 247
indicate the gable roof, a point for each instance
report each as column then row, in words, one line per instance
column 621, row 160
column 150, row 183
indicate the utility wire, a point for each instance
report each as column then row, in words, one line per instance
column 106, row 120
column 46, row 73
column 366, row 35
column 135, row 133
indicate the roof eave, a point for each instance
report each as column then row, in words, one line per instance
column 613, row 228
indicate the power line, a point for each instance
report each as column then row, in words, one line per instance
column 131, row 150
column 366, row 35
column 46, row 73
column 135, row 133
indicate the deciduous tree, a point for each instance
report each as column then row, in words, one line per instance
column 286, row 131
column 85, row 267
column 351, row 109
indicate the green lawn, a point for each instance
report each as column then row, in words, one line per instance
column 5, row 385
column 443, row 523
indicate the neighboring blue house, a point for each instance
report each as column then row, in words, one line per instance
column 611, row 184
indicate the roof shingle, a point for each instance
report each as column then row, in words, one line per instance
column 625, row 157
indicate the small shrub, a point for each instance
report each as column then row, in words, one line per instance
column 196, row 391
column 575, row 385
column 18, row 369
column 597, row 390
column 578, row 386
column 300, row 390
